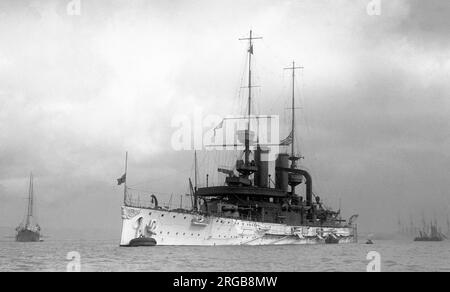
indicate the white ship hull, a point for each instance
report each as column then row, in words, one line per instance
column 183, row 228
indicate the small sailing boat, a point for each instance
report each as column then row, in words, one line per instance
column 29, row 230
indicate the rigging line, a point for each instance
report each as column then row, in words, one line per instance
column 203, row 169
column 299, row 137
column 238, row 104
column 303, row 95
column 192, row 167
column 241, row 85
column 157, row 179
column 148, row 192
column 305, row 120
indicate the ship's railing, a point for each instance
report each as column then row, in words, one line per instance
column 137, row 199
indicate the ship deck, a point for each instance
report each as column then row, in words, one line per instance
column 216, row 215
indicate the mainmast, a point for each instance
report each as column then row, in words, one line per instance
column 293, row 181
column 293, row 158
column 250, row 53
column 30, row 201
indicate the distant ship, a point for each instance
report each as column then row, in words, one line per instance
column 29, row 230
column 434, row 234
column 245, row 209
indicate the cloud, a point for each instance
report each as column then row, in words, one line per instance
column 427, row 22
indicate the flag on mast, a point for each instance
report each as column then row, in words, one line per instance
column 122, row 179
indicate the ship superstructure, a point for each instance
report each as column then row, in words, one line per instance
column 246, row 209
column 29, row 230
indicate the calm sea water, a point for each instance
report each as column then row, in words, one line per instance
column 97, row 255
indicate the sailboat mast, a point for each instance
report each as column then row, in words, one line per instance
column 30, row 200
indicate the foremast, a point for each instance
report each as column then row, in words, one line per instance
column 246, row 169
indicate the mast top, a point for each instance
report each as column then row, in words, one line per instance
column 293, row 67
column 251, row 37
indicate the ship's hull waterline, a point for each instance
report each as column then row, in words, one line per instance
column 170, row 227
column 28, row 236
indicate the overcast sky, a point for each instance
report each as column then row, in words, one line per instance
column 76, row 92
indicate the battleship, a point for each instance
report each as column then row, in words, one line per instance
column 29, row 230
column 246, row 209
